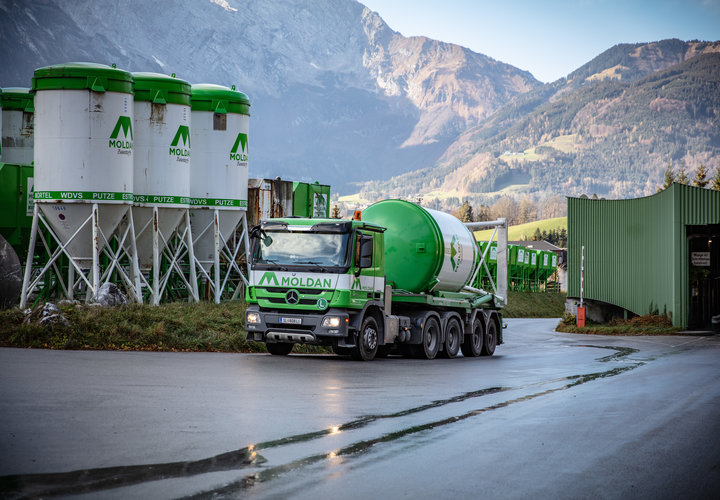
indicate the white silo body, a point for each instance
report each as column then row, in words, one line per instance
column 17, row 125
column 83, row 150
column 162, row 158
column 219, row 170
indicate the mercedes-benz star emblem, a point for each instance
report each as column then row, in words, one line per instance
column 292, row 297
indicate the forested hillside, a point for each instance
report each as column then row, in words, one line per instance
column 611, row 129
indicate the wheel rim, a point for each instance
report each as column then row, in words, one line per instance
column 431, row 338
column 370, row 338
column 477, row 337
column 453, row 336
column 491, row 338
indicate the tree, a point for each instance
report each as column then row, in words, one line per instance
column 554, row 206
column 682, row 177
column 484, row 213
column 715, row 184
column 507, row 208
column 528, row 210
column 701, row 179
column 537, row 235
column 465, row 212
column 669, row 178
column 335, row 212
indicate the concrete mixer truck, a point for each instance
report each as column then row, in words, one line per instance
column 395, row 279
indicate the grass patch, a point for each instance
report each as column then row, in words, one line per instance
column 534, row 305
column 517, row 232
column 168, row 327
column 640, row 325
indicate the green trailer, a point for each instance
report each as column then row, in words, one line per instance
column 489, row 250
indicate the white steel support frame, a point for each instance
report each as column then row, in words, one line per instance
column 229, row 250
column 76, row 275
column 176, row 246
column 500, row 229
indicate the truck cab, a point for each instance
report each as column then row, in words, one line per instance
column 315, row 281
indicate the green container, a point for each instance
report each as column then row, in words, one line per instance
column 16, row 208
column 19, row 98
column 82, row 76
column 219, row 99
column 425, row 250
column 161, row 89
column 311, row 200
column 546, row 267
column 489, row 249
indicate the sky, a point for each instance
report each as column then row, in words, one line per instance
column 550, row 38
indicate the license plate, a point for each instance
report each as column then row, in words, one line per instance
column 291, row 321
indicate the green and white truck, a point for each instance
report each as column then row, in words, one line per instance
column 394, row 280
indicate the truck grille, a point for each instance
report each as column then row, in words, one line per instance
column 281, row 300
column 283, row 290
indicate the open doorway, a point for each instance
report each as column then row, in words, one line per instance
column 704, row 274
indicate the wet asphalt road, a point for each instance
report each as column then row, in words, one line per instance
column 549, row 416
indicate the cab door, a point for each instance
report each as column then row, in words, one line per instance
column 368, row 263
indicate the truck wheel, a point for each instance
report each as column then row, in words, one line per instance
column 453, row 338
column 280, row 348
column 473, row 345
column 367, row 340
column 428, row 349
column 490, row 339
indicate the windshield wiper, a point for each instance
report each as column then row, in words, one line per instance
column 273, row 262
column 320, row 266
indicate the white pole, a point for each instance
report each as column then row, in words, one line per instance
column 194, row 295
column 95, row 252
column 156, row 259
column 582, row 274
column 135, row 264
column 29, row 260
column 216, row 257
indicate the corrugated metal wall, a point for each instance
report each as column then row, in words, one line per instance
column 636, row 250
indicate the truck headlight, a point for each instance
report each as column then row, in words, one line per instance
column 331, row 322
column 252, row 317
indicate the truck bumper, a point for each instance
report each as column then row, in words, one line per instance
column 297, row 327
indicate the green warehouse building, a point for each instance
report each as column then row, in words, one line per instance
column 658, row 254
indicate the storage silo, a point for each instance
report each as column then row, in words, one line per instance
column 17, row 125
column 219, row 170
column 83, row 154
column 161, row 177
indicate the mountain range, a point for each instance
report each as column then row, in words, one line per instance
column 611, row 128
column 339, row 97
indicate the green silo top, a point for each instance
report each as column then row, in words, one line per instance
column 17, row 98
column 161, row 89
column 82, row 76
column 219, row 99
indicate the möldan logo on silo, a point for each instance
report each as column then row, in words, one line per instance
column 241, row 144
column 124, row 125
column 182, row 153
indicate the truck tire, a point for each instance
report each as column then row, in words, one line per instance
column 280, row 348
column 367, row 340
column 490, row 339
column 453, row 339
column 474, row 343
column 430, row 344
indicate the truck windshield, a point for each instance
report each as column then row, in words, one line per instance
column 288, row 248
